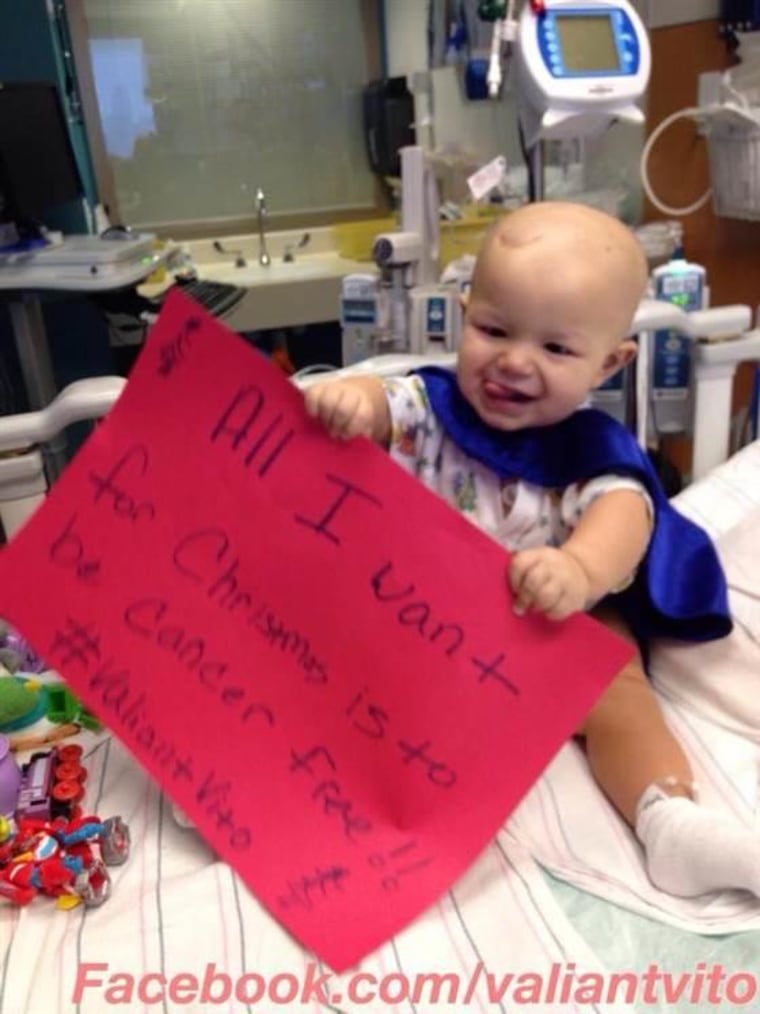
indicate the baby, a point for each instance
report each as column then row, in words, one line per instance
column 571, row 496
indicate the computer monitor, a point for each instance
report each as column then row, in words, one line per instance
column 38, row 169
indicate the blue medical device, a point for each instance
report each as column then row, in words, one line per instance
column 682, row 284
column 580, row 66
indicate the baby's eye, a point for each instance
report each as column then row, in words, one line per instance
column 558, row 349
column 492, row 330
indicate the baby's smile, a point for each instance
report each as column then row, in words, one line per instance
column 504, row 392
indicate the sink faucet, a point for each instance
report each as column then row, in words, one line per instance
column 237, row 254
column 288, row 256
column 261, row 213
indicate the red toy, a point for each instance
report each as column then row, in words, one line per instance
column 65, row 859
column 48, row 847
column 52, row 784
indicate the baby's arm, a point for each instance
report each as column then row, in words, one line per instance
column 603, row 551
column 351, row 407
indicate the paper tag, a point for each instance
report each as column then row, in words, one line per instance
column 482, row 182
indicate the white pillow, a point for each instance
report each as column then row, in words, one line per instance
column 720, row 680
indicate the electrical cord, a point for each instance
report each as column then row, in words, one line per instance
column 531, row 176
column 653, row 138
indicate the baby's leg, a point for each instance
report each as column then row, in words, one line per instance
column 640, row 765
column 628, row 745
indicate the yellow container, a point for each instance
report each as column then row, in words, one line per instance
column 355, row 239
column 464, row 235
column 158, row 277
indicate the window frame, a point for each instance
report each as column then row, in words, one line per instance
column 371, row 13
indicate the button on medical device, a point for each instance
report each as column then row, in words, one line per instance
column 579, row 67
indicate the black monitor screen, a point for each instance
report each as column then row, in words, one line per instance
column 38, row 170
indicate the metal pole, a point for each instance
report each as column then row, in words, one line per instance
column 37, row 369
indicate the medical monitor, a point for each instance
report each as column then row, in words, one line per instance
column 580, row 65
column 38, row 169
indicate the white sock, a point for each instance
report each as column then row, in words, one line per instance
column 690, row 850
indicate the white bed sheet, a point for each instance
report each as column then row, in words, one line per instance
column 711, row 694
column 177, row 910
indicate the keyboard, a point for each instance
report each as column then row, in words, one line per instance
column 216, row 297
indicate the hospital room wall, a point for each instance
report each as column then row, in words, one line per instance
column 728, row 248
column 483, row 128
column 481, row 125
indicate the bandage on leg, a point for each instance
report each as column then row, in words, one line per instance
column 690, row 850
column 674, row 786
column 629, row 745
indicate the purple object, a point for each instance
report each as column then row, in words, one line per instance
column 10, row 778
column 35, row 784
column 28, row 659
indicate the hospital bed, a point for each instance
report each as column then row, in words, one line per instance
column 559, row 894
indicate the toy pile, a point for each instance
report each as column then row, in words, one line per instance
column 63, row 858
column 48, row 846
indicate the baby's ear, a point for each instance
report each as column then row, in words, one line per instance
column 626, row 352
column 618, row 359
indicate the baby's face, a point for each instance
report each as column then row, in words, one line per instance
column 542, row 328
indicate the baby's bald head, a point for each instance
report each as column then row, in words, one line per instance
column 594, row 254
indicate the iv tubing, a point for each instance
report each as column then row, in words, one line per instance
column 661, row 127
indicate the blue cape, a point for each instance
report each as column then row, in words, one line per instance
column 680, row 588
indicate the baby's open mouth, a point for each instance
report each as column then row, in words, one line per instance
column 500, row 392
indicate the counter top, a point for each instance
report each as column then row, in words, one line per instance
column 284, row 293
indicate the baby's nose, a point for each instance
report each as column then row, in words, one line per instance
column 515, row 357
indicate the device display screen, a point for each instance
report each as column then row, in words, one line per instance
column 587, row 43
column 38, row 169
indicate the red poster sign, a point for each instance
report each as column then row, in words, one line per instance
column 316, row 657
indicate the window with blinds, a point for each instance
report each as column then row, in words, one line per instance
column 203, row 101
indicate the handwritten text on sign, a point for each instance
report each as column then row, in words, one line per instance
column 315, row 656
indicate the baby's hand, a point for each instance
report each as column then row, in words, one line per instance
column 345, row 409
column 549, row 581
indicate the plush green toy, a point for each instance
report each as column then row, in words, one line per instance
column 21, row 702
